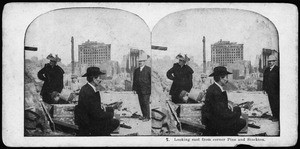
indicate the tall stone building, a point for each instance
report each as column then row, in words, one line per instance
column 92, row 53
column 224, row 52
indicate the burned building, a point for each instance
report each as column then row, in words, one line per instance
column 92, row 53
column 224, row 52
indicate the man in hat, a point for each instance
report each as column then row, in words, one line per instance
column 52, row 75
column 182, row 76
column 218, row 117
column 142, row 86
column 271, row 86
column 91, row 116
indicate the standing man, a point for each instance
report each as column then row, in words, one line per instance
column 52, row 75
column 142, row 86
column 217, row 115
column 271, row 86
column 91, row 116
column 182, row 76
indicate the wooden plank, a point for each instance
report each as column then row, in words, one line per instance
column 63, row 110
column 191, row 123
column 30, row 48
column 65, row 124
column 175, row 115
column 190, row 110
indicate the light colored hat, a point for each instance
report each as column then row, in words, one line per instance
column 272, row 58
column 142, row 57
column 184, row 58
column 51, row 58
column 203, row 75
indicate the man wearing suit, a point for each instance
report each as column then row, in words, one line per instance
column 53, row 76
column 142, row 86
column 219, row 117
column 271, row 86
column 91, row 116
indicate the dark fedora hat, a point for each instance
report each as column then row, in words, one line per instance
column 93, row 71
column 220, row 70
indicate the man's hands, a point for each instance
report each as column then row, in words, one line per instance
column 103, row 106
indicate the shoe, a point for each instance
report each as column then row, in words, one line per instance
column 141, row 118
column 253, row 126
column 274, row 119
column 145, row 119
column 125, row 126
column 134, row 115
column 265, row 115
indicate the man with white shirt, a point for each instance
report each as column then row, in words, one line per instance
column 91, row 116
column 142, row 86
column 219, row 118
column 271, row 86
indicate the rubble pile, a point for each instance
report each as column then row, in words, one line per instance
column 35, row 119
column 159, row 96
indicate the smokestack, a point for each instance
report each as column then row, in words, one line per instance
column 72, row 54
column 204, row 59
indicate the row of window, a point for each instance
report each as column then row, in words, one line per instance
column 94, row 62
column 92, row 50
column 234, row 50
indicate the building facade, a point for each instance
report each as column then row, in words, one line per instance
column 224, row 52
column 92, row 53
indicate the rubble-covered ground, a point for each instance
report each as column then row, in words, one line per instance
column 130, row 105
column 261, row 103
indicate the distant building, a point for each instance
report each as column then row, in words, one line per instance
column 240, row 69
column 131, row 60
column 224, row 52
column 92, row 53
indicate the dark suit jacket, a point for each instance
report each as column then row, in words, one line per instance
column 271, row 80
column 182, row 79
column 52, row 77
column 89, row 116
column 142, row 80
column 215, row 112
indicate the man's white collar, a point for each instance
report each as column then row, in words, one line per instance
column 220, row 87
column 94, row 88
column 141, row 68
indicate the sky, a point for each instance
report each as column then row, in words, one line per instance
column 181, row 31
column 51, row 32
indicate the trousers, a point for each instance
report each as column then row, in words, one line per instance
column 145, row 104
column 274, row 104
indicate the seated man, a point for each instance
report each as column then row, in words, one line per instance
column 92, row 117
column 217, row 115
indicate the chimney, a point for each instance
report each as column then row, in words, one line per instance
column 72, row 54
column 204, row 59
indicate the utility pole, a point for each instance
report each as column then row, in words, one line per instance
column 204, row 59
column 72, row 54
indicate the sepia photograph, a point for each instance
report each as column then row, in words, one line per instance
column 149, row 74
